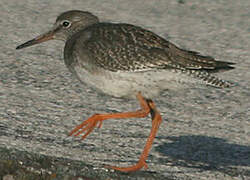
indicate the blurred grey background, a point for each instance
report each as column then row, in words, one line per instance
column 205, row 132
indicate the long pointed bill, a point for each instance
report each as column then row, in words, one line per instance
column 42, row 38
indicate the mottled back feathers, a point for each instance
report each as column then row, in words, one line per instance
column 129, row 48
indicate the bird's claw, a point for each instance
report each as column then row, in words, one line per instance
column 87, row 127
column 135, row 167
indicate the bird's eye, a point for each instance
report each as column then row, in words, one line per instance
column 66, row 24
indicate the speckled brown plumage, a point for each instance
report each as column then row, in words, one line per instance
column 129, row 48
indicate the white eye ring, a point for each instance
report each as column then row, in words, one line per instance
column 66, row 24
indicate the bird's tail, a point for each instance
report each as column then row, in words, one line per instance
column 209, row 79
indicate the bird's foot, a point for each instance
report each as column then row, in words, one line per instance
column 96, row 120
column 87, row 126
column 140, row 164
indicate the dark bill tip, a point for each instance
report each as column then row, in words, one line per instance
column 42, row 38
column 27, row 44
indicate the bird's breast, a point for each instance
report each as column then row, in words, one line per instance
column 128, row 84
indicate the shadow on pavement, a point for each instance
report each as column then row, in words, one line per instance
column 206, row 153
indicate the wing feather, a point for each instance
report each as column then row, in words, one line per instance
column 124, row 47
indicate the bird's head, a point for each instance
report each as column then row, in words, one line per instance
column 67, row 24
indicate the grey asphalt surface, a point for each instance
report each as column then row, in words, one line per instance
column 205, row 132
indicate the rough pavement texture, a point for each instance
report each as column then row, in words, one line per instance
column 205, row 132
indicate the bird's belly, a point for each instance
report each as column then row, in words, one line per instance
column 128, row 84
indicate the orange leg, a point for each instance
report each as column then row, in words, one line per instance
column 146, row 107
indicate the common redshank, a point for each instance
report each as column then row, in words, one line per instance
column 127, row 61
